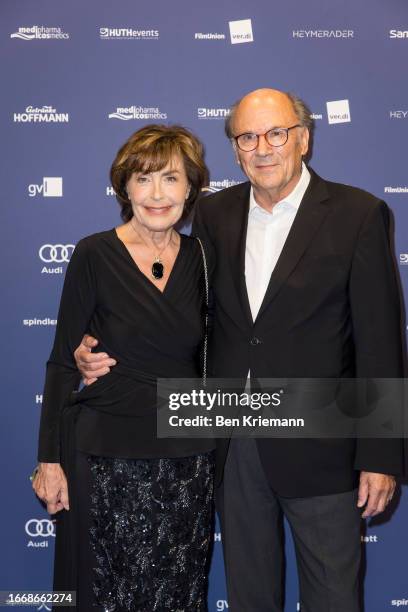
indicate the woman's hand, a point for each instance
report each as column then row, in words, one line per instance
column 51, row 486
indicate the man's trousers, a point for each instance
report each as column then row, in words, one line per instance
column 326, row 534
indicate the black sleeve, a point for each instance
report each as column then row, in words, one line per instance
column 376, row 320
column 77, row 305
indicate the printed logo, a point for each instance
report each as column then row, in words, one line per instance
column 45, row 114
column 209, row 36
column 40, row 33
column 322, row 34
column 241, row 31
column 137, row 112
column 212, row 113
column 403, row 259
column 40, row 527
column 395, row 189
column 127, row 34
column 215, row 186
column 338, row 111
column 399, row 114
column 398, row 33
column 51, row 187
column 42, row 322
column 370, row 538
column 316, row 116
column 56, row 253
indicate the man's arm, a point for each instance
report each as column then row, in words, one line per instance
column 91, row 365
column 376, row 318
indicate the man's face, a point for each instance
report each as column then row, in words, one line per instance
column 272, row 169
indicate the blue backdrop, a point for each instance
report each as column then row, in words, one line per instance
column 76, row 79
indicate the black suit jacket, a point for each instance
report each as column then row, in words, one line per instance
column 331, row 310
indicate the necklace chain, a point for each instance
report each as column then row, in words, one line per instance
column 157, row 266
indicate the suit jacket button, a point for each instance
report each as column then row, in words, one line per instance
column 254, row 341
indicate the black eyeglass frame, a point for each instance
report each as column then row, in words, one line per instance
column 287, row 130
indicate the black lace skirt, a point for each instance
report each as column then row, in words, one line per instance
column 144, row 532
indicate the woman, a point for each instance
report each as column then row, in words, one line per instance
column 135, row 523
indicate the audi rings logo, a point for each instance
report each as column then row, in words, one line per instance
column 56, row 253
column 40, row 527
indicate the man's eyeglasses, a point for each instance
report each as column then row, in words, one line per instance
column 276, row 137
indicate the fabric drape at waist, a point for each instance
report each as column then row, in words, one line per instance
column 123, row 391
column 122, row 371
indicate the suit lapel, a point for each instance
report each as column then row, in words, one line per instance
column 312, row 211
column 237, row 240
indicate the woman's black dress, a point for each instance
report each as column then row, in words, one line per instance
column 137, row 534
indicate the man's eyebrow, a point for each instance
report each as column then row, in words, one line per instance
column 276, row 127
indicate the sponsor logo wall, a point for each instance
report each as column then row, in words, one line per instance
column 70, row 100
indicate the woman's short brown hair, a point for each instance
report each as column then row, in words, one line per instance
column 149, row 150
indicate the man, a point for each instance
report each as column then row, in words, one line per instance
column 304, row 286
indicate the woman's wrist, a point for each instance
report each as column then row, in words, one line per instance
column 49, row 467
column 44, row 467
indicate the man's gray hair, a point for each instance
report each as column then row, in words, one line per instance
column 301, row 109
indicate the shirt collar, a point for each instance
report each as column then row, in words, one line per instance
column 293, row 199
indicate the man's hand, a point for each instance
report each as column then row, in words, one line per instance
column 50, row 484
column 375, row 490
column 91, row 365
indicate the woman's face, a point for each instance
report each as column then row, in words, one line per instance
column 158, row 198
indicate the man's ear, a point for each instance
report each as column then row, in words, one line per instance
column 304, row 141
column 235, row 148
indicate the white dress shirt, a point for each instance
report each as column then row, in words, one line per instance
column 266, row 235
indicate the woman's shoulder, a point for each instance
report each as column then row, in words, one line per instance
column 87, row 247
column 94, row 241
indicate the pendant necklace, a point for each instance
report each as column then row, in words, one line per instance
column 157, row 265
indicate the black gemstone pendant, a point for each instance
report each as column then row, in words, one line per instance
column 157, row 270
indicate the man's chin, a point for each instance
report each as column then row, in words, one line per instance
column 268, row 183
